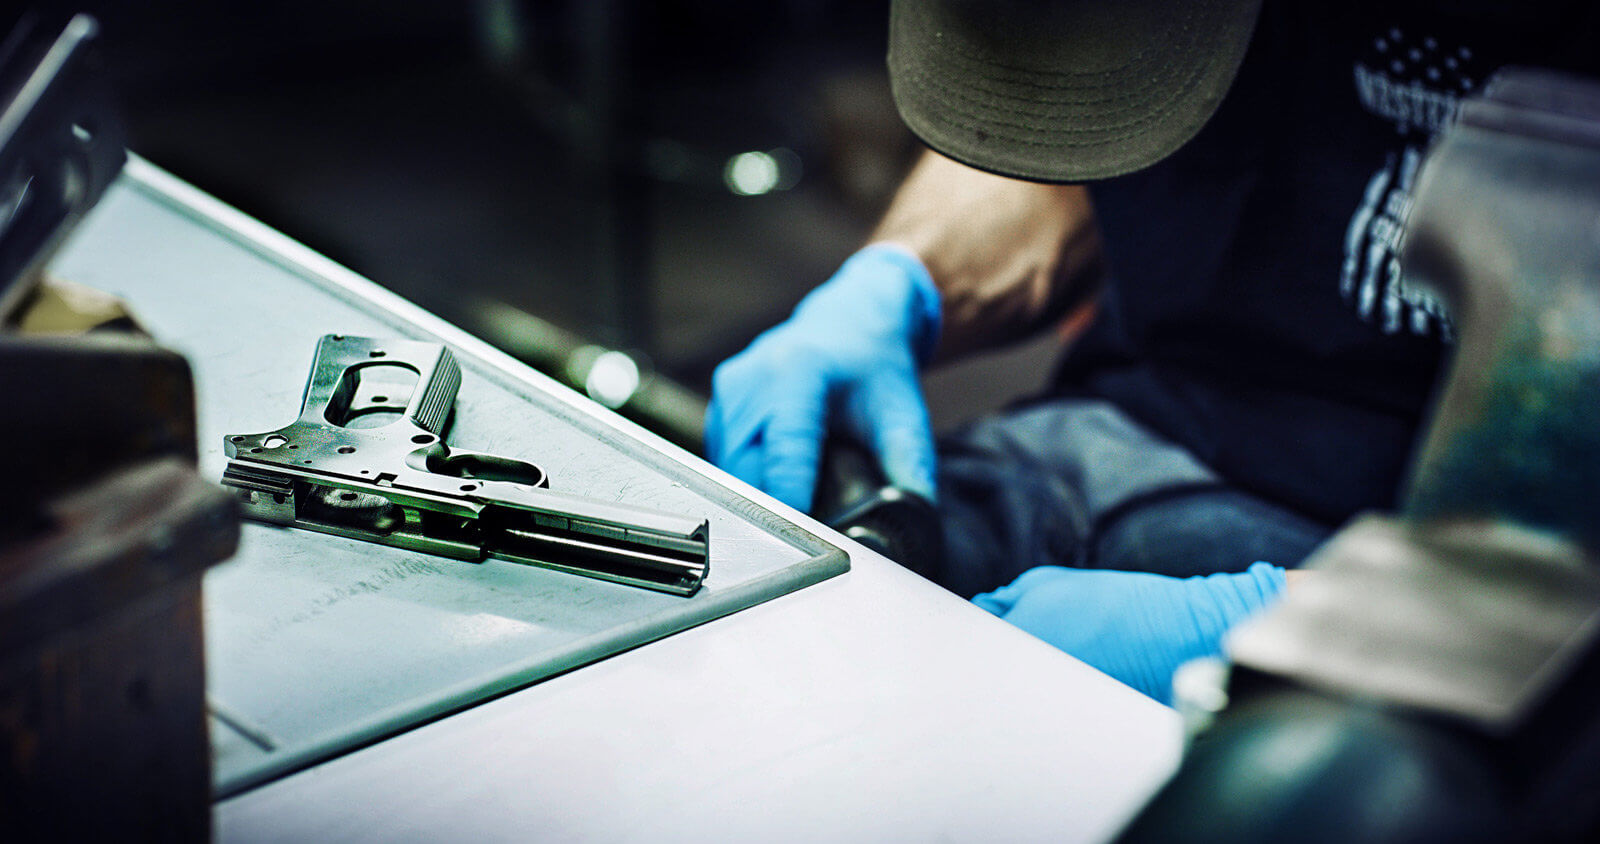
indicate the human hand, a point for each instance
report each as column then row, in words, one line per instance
column 848, row 357
column 1134, row 626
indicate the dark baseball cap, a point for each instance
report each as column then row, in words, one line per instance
column 1063, row 90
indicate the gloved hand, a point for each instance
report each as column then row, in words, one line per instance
column 1137, row 627
column 848, row 356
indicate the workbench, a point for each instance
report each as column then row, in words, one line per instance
column 797, row 700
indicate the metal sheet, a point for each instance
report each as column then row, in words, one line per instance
column 316, row 644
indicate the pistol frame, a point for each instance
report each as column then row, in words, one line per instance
column 367, row 460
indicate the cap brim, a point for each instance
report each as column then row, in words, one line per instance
column 1050, row 115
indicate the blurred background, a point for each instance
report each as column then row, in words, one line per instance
column 568, row 179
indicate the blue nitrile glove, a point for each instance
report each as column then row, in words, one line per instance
column 847, row 357
column 1137, row 627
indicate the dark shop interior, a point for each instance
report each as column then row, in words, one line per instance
column 569, row 167
column 804, row 421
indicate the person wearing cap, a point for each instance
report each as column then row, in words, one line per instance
column 1214, row 191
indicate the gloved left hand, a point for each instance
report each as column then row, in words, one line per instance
column 1137, row 627
column 846, row 359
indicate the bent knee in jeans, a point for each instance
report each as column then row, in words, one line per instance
column 1077, row 483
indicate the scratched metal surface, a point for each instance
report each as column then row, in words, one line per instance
column 317, row 644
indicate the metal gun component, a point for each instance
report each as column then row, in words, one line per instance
column 855, row 498
column 367, row 460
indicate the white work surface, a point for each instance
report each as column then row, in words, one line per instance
column 873, row 706
column 319, row 644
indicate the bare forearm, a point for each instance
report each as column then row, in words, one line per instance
column 1009, row 257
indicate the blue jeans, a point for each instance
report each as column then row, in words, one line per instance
column 1075, row 482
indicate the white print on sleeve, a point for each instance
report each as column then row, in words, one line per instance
column 1416, row 84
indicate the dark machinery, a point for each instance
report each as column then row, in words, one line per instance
column 105, row 528
column 1438, row 677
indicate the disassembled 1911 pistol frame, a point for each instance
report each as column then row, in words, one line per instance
column 367, row 460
